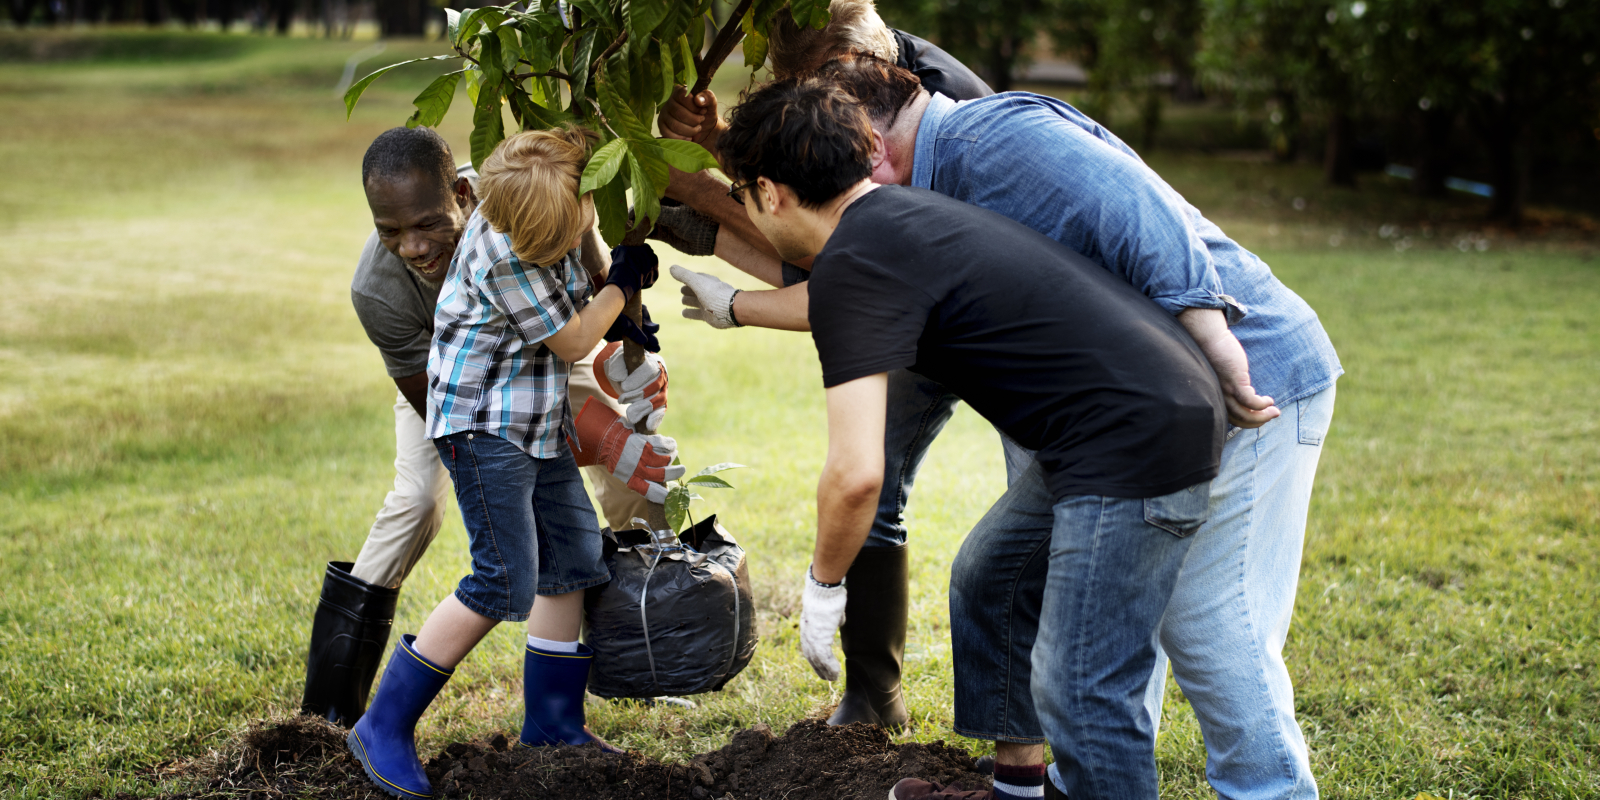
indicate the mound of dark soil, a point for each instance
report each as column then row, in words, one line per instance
column 306, row 757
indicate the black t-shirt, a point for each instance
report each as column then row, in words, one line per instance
column 940, row 72
column 1058, row 353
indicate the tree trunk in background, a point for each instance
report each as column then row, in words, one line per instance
column 1286, row 147
column 283, row 14
column 1149, row 118
column 1434, row 164
column 402, row 17
column 1002, row 58
column 223, row 11
column 155, row 12
column 1339, row 163
column 1508, row 164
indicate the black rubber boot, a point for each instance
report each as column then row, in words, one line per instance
column 348, row 637
column 873, row 638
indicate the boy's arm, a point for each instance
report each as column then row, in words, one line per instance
column 577, row 338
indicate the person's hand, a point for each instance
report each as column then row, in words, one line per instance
column 633, row 267
column 624, row 328
column 1222, row 350
column 706, row 298
column 643, row 462
column 821, row 614
column 643, row 392
column 692, row 118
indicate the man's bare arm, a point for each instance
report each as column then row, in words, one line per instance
column 852, row 476
column 594, row 256
column 415, row 390
column 780, row 309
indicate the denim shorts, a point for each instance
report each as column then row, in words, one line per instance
column 530, row 526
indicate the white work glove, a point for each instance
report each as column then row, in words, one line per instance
column 706, row 297
column 642, row 393
column 821, row 614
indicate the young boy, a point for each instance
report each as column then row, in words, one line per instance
column 515, row 311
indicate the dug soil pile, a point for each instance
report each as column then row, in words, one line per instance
column 306, row 757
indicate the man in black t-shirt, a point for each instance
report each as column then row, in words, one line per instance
column 874, row 633
column 1121, row 408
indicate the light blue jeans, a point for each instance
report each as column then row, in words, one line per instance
column 1225, row 627
column 1110, row 565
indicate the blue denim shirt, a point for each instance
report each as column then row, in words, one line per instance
column 1043, row 163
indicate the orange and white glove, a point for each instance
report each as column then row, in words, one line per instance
column 641, row 461
column 642, row 393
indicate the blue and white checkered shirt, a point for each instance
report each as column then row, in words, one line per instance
column 488, row 369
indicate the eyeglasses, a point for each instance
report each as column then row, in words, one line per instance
column 737, row 192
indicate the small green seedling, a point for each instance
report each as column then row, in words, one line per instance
column 680, row 493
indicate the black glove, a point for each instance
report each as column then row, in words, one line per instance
column 624, row 328
column 633, row 267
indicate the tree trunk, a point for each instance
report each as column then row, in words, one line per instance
column 402, row 17
column 1149, row 118
column 1002, row 58
column 224, row 11
column 1508, row 163
column 1434, row 164
column 1339, row 162
column 283, row 15
column 1286, row 146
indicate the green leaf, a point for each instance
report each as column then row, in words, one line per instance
column 618, row 113
column 668, row 72
column 595, row 11
column 603, row 165
column 489, row 58
column 510, row 48
column 488, row 125
column 643, row 16
column 755, row 50
column 687, row 74
column 474, row 82
column 534, row 116
column 716, row 468
column 809, row 13
column 685, row 156
column 611, row 208
column 697, row 35
column 354, row 94
column 677, row 506
column 452, row 25
column 647, row 184
column 536, row 46
column 710, row 482
column 582, row 54
column 435, row 100
column 488, row 18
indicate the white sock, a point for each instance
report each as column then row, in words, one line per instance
column 550, row 646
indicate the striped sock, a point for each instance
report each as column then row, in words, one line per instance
column 1018, row 783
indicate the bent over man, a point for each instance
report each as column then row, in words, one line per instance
column 874, row 633
column 420, row 203
column 1119, row 410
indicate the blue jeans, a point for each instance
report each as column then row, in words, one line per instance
column 1108, row 568
column 1229, row 616
column 530, row 526
column 917, row 410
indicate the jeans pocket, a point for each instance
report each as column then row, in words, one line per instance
column 1312, row 418
column 1182, row 512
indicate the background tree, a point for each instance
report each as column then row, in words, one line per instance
column 995, row 37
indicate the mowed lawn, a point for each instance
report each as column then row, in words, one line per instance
column 192, row 423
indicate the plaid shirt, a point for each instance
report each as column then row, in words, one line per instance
column 487, row 369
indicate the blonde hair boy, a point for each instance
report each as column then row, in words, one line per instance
column 529, row 186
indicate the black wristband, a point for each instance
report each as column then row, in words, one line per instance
column 731, row 317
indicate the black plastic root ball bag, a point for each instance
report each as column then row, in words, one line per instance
column 675, row 619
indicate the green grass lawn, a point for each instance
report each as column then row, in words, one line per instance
column 192, row 422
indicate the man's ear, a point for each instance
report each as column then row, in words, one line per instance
column 770, row 194
column 463, row 191
column 880, row 149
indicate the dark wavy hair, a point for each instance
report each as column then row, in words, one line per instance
column 806, row 134
column 881, row 87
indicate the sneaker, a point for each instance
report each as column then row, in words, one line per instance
column 915, row 789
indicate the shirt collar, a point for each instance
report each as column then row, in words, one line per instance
column 927, row 134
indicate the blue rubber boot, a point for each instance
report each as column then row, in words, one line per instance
column 385, row 740
column 552, row 695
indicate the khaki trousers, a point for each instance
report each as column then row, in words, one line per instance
column 413, row 511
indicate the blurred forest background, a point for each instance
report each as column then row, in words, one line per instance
column 1499, row 98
